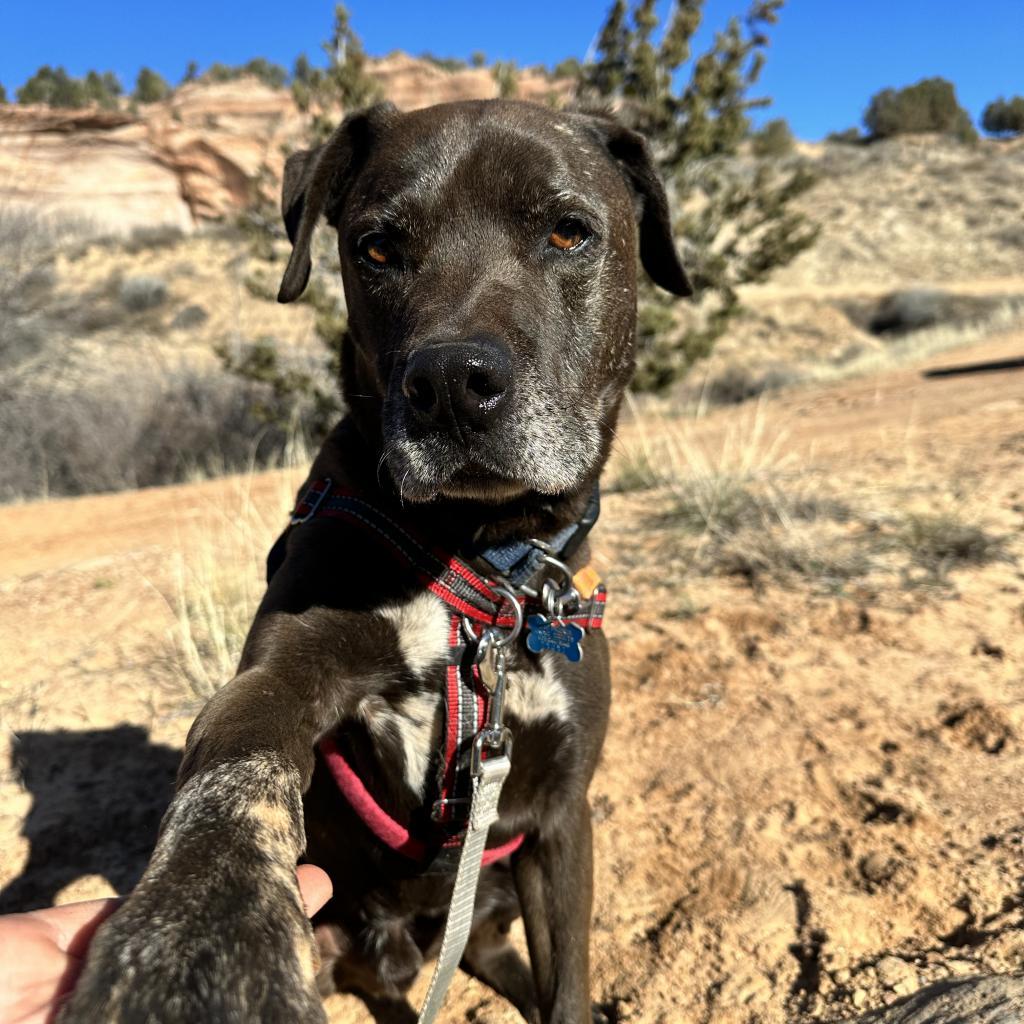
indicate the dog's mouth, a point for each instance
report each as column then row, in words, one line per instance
column 426, row 471
column 479, row 485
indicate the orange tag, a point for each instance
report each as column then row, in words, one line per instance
column 585, row 581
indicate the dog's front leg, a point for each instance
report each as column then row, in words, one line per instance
column 554, row 877
column 216, row 931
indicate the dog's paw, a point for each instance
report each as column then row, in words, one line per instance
column 215, row 931
column 167, row 961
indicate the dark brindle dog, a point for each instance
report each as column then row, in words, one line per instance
column 488, row 251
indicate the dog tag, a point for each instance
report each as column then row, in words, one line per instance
column 562, row 637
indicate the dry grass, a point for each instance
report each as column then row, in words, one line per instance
column 220, row 578
column 746, row 508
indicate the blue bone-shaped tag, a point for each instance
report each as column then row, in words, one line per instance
column 563, row 637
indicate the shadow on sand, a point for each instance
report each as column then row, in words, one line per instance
column 97, row 800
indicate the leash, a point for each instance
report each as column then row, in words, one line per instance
column 487, row 616
column 488, row 778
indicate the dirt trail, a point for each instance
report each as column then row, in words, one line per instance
column 808, row 802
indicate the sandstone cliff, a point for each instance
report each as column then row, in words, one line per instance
column 192, row 158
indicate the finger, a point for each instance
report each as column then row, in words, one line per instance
column 73, row 925
column 315, row 887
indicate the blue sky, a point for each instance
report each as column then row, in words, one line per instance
column 827, row 57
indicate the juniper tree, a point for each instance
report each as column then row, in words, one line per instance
column 270, row 74
column 56, row 88
column 1004, row 117
column 150, row 87
column 342, row 86
column 927, row 106
column 737, row 221
column 773, row 138
column 345, row 83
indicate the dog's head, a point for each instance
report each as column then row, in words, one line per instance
column 488, row 252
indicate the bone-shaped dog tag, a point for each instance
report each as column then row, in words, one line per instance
column 547, row 635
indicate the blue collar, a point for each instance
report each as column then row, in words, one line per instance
column 518, row 561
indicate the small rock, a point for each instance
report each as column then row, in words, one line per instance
column 841, row 976
column 860, row 997
column 960, row 968
column 896, row 974
column 190, row 316
column 877, row 868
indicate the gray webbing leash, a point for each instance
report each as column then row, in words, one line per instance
column 483, row 813
column 489, row 776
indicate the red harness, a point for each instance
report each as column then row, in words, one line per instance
column 471, row 600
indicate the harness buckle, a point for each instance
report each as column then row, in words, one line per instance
column 311, row 501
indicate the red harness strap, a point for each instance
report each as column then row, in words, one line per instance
column 380, row 823
column 468, row 596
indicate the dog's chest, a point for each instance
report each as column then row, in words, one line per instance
column 535, row 690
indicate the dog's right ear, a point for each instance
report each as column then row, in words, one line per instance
column 314, row 185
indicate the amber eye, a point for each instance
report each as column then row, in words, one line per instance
column 376, row 249
column 569, row 233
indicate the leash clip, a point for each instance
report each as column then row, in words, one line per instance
column 494, row 739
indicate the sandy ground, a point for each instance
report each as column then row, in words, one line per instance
column 809, row 800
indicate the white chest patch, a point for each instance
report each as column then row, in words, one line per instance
column 422, row 625
column 416, row 721
column 533, row 696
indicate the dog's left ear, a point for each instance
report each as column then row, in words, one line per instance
column 314, row 185
column 631, row 152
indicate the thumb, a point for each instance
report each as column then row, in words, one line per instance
column 315, row 887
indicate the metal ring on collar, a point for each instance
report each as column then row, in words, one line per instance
column 494, row 636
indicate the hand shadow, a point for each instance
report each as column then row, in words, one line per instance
column 97, row 800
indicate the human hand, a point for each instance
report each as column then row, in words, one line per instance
column 41, row 953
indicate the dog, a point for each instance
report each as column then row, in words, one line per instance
column 489, row 257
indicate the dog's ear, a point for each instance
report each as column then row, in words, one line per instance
column 314, row 184
column 631, row 152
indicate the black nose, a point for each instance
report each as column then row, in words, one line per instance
column 460, row 385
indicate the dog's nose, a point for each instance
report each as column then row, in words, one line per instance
column 459, row 384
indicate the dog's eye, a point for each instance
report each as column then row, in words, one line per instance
column 377, row 250
column 569, row 233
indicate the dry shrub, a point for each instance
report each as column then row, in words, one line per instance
column 131, row 429
column 137, row 294
column 940, row 542
column 735, row 384
column 910, row 310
